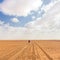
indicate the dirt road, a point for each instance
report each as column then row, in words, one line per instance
column 25, row 51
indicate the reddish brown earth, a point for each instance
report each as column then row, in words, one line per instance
column 30, row 50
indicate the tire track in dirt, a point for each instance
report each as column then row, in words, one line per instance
column 26, row 54
column 12, row 53
column 20, row 55
column 31, row 51
column 47, row 55
column 35, row 53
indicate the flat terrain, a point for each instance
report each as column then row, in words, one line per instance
column 33, row 50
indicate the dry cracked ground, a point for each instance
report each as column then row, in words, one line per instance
column 33, row 50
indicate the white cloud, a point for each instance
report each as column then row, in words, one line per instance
column 1, row 22
column 50, row 5
column 8, row 32
column 19, row 7
column 15, row 20
column 47, row 7
column 33, row 17
column 48, row 27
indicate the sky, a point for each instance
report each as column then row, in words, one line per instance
column 8, row 15
column 25, row 19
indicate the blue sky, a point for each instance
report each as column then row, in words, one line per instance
column 1, row 1
column 23, row 19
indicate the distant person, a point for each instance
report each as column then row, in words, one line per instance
column 28, row 41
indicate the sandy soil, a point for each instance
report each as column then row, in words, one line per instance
column 32, row 50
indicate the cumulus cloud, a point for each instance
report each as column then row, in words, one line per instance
column 49, row 6
column 8, row 32
column 48, row 27
column 15, row 20
column 19, row 7
column 1, row 22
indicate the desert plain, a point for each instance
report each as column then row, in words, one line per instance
column 29, row 50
